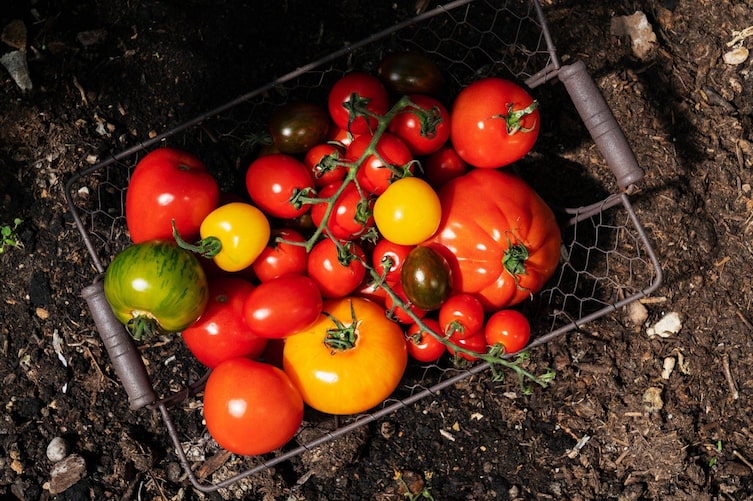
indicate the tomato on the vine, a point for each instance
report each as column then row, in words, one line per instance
column 350, row 360
column 350, row 216
column 423, row 345
column 426, row 278
column 495, row 122
column 297, row 126
column 387, row 259
column 462, row 315
column 393, row 160
column 273, row 180
column 398, row 312
column 282, row 306
column 442, row 166
column 285, row 253
column 475, row 343
column 369, row 94
column 510, row 328
column 424, row 127
column 322, row 162
column 408, row 212
column 334, row 278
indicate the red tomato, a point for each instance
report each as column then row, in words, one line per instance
column 251, row 407
column 494, row 123
column 271, row 181
column 388, row 253
column 369, row 92
column 397, row 311
column 510, row 328
column 280, row 257
column 282, row 306
column 475, row 343
column 169, row 184
column 407, row 125
column 462, row 316
column 220, row 333
column 422, row 345
column 332, row 278
column 340, row 136
column 371, row 291
column 501, row 240
column 376, row 172
column 350, row 216
column 443, row 165
column 321, row 162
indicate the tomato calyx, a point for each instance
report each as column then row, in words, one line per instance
column 356, row 107
column 514, row 119
column 342, row 337
column 514, row 262
column 142, row 326
column 206, row 247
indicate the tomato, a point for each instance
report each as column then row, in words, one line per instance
column 221, row 333
column 423, row 345
column 424, row 127
column 501, row 240
column 251, row 407
column 510, row 328
column 282, row 306
column 411, row 72
column 425, row 278
column 350, row 216
column 443, row 165
column 297, row 126
column 350, row 360
column 371, row 290
column 242, row 231
column 334, row 278
column 408, row 212
column 462, row 315
column 369, row 94
column 156, row 286
column 341, row 137
column 475, row 343
column 494, row 123
column 397, row 311
column 272, row 180
column 387, row 259
column 169, row 184
column 393, row 160
column 281, row 255
column 322, row 161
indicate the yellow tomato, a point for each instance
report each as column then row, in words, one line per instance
column 408, row 212
column 243, row 232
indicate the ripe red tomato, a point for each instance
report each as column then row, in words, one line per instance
column 370, row 92
column 169, row 184
column 475, row 343
column 388, row 253
column 280, row 257
column 221, row 333
column 350, row 216
column 407, row 125
column 443, row 165
column 333, row 279
column 271, row 181
column 321, row 162
column 510, row 328
column 422, row 345
column 494, row 123
column 501, row 240
column 462, row 316
column 251, row 407
column 376, row 172
column 282, row 306
column 397, row 311
column 340, row 136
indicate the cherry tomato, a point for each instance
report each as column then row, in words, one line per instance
column 462, row 315
column 280, row 257
column 387, row 259
column 166, row 185
column 369, row 93
column 495, row 122
column 371, row 291
column 243, row 232
column 392, row 161
column 297, row 126
column 342, row 137
column 272, row 180
column 251, row 407
column 475, row 343
column 322, row 162
column 422, row 345
column 350, row 216
column 408, row 212
column 425, row 127
column 221, row 333
column 411, row 72
column 397, row 311
column 425, row 278
column 443, row 165
column 510, row 328
column 332, row 277
column 282, row 306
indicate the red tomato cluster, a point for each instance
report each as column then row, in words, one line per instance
column 376, row 226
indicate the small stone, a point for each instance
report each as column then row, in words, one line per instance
column 669, row 324
column 57, row 449
column 736, row 56
column 66, row 473
column 652, row 400
column 637, row 313
column 15, row 63
column 642, row 37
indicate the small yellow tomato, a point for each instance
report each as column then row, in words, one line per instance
column 408, row 212
column 243, row 231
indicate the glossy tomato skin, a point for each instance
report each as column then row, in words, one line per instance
column 426, row 278
column 462, row 315
column 486, row 216
column 251, row 407
column 399, row 313
column 282, row 306
column 158, row 279
column 411, row 72
column 388, row 257
column 407, row 125
column 424, row 346
column 271, row 181
column 510, row 328
column 475, row 343
column 408, row 211
column 281, row 255
column 351, row 380
column 333, row 279
column 350, row 216
column 221, row 333
column 169, row 184
column 322, row 159
column 443, row 165
column 243, row 231
column 480, row 132
column 297, row 126
column 366, row 86
column 374, row 173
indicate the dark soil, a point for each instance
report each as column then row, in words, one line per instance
column 109, row 74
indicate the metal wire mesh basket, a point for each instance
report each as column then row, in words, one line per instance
column 607, row 259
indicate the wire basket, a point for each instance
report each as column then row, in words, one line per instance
column 607, row 259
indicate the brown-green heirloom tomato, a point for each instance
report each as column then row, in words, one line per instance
column 426, row 278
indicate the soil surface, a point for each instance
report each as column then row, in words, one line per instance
column 616, row 423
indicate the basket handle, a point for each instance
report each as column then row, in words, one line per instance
column 601, row 124
column 124, row 356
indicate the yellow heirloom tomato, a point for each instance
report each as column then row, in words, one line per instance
column 408, row 212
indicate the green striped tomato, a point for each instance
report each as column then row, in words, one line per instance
column 155, row 286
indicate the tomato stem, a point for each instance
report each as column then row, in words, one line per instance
column 342, row 337
column 514, row 119
column 514, row 261
column 142, row 327
column 207, row 247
